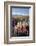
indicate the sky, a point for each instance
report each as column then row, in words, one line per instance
column 20, row 11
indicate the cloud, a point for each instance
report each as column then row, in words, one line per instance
column 18, row 13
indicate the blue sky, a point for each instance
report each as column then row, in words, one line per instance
column 20, row 11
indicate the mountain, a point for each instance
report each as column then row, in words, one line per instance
column 20, row 16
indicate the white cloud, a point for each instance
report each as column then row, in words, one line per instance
column 17, row 13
